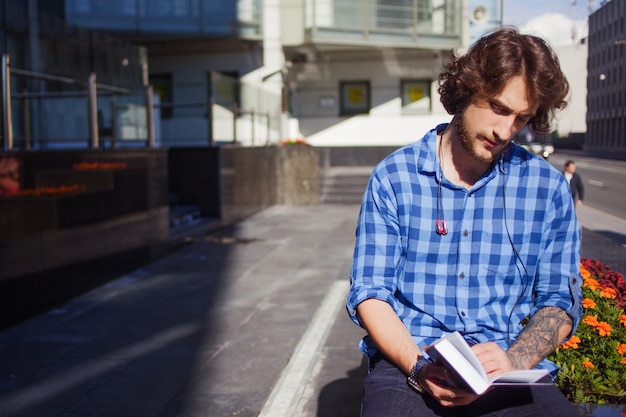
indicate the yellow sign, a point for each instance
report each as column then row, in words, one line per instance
column 416, row 93
column 355, row 95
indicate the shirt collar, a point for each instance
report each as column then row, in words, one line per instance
column 428, row 160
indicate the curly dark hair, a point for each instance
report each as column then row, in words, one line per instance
column 496, row 58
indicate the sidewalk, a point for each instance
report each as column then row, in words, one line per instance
column 604, row 237
column 205, row 331
column 246, row 322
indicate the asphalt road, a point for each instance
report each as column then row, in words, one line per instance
column 604, row 180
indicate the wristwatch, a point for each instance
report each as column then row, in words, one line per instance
column 412, row 378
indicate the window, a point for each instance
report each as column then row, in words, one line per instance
column 355, row 97
column 415, row 95
column 162, row 85
column 224, row 88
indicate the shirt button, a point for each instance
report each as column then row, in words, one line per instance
column 462, row 275
column 465, row 233
column 463, row 313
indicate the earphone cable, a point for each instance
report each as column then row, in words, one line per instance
column 525, row 281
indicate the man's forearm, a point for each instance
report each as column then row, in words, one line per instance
column 543, row 333
column 388, row 333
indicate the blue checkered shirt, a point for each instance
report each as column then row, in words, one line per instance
column 513, row 246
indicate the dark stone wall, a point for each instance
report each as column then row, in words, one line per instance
column 194, row 178
column 112, row 183
column 55, row 245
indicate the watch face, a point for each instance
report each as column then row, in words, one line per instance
column 415, row 385
column 412, row 379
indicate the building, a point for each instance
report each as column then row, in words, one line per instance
column 606, row 85
column 51, row 63
column 332, row 72
column 251, row 72
column 570, row 124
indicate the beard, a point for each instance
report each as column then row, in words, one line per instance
column 469, row 143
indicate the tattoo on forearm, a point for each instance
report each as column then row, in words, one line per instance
column 543, row 333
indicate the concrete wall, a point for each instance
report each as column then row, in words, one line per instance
column 256, row 178
column 233, row 182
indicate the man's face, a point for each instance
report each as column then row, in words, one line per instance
column 571, row 168
column 487, row 127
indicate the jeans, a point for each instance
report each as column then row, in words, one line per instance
column 386, row 394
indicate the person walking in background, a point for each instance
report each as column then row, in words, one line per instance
column 575, row 182
column 466, row 231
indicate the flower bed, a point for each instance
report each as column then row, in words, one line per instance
column 593, row 361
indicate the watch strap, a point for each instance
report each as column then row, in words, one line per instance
column 412, row 378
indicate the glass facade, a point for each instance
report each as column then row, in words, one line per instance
column 50, row 64
column 606, row 82
column 404, row 22
column 169, row 17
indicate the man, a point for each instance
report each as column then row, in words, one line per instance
column 575, row 182
column 464, row 230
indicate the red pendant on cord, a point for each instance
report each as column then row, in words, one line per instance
column 442, row 228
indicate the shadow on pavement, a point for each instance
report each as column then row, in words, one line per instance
column 617, row 237
column 342, row 397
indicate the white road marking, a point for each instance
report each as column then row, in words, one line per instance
column 286, row 393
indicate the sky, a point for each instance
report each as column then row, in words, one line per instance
column 561, row 22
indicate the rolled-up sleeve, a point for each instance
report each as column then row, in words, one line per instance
column 378, row 248
column 558, row 282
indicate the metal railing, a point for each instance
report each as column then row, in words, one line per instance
column 227, row 126
column 90, row 91
column 133, row 122
column 7, row 123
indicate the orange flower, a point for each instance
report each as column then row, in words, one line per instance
column 591, row 283
column 622, row 319
column 584, row 272
column 621, row 348
column 604, row 328
column 588, row 365
column 572, row 342
column 623, row 361
column 591, row 321
column 589, row 303
column 608, row 292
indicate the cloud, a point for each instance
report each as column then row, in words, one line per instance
column 556, row 28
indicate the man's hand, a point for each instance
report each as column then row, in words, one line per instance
column 436, row 380
column 493, row 358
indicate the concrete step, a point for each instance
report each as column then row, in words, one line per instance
column 183, row 215
column 344, row 185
